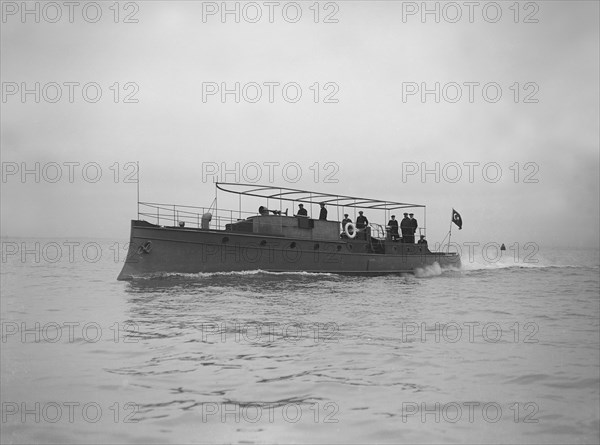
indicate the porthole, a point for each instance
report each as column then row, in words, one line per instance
column 317, row 246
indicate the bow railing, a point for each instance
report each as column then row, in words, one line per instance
column 188, row 216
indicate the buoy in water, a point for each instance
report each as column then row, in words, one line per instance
column 502, row 247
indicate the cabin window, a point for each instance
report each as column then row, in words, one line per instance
column 339, row 247
column 293, row 245
column 225, row 239
column 317, row 246
column 263, row 243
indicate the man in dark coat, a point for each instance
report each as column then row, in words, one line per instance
column 323, row 214
column 393, row 228
column 361, row 221
column 406, row 228
column 414, row 224
column 362, row 224
column 301, row 210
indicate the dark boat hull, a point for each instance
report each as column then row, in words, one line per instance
column 154, row 249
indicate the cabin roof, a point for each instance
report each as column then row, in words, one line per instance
column 306, row 196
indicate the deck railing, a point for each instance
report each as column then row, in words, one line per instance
column 191, row 216
column 377, row 230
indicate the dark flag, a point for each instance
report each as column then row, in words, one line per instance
column 456, row 219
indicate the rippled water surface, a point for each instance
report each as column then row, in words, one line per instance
column 492, row 353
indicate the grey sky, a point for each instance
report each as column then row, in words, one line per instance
column 371, row 55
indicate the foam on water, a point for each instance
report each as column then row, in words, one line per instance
column 241, row 273
column 432, row 270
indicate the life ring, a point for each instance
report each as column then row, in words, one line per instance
column 350, row 230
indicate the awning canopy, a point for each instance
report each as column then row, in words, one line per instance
column 305, row 196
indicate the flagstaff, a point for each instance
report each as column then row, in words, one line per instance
column 456, row 219
column 450, row 231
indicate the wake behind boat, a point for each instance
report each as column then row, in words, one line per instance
column 186, row 239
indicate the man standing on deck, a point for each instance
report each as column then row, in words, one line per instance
column 323, row 214
column 361, row 224
column 361, row 221
column 406, row 228
column 413, row 224
column 301, row 210
column 393, row 228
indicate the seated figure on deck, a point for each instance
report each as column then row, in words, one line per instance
column 264, row 211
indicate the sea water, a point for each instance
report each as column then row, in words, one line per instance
column 498, row 351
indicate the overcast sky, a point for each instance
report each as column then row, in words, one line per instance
column 371, row 60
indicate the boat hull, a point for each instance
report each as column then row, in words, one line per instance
column 156, row 249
